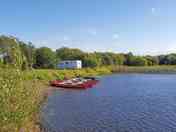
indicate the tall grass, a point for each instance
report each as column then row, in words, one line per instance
column 19, row 100
column 48, row 74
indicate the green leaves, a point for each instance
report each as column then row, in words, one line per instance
column 45, row 58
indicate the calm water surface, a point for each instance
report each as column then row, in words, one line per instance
column 119, row 103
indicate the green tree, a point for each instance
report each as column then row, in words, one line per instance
column 29, row 51
column 107, row 59
column 65, row 53
column 45, row 58
column 91, row 60
column 138, row 61
column 10, row 46
column 129, row 58
column 170, row 59
column 152, row 60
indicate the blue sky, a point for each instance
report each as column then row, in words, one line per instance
column 140, row 26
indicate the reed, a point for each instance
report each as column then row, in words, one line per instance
column 19, row 100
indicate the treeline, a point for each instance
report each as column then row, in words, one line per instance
column 45, row 57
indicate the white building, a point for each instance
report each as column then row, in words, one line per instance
column 70, row 64
column 2, row 55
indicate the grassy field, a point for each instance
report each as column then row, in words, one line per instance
column 21, row 92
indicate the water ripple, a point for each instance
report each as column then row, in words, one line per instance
column 120, row 103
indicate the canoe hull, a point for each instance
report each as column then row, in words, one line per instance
column 84, row 85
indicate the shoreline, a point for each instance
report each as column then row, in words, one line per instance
column 51, row 74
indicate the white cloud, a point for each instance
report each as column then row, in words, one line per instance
column 42, row 42
column 66, row 38
column 115, row 36
column 153, row 10
column 92, row 32
column 171, row 47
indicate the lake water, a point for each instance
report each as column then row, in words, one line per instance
column 119, row 103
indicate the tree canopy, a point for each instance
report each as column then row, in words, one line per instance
column 45, row 57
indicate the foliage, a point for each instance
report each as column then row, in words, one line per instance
column 45, row 58
column 65, row 53
column 6, row 42
column 91, row 60
column 29, row 52
column 138, row 61
column 168, row 59
column 151, row 61
column 14, row 56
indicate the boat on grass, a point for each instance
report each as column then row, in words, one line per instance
column 75, row 83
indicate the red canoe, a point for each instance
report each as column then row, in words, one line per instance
column 74, row 83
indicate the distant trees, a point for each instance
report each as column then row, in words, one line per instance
column 44, row 57
column 65, row 53
column 108, row 58
column 139, row 61
column 91, row 60
column 132, row 60
column 171, row 59
column 10, row 47
column 129, row 59
column 152, row 60
column 29, row 51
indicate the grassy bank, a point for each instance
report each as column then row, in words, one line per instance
column 19, row 101
column 21, row 93
column 145, row 69
column 48, row 74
